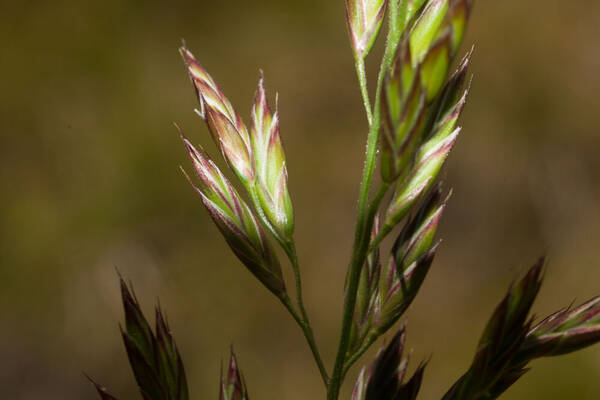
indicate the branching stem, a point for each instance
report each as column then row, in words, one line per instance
column 397, row 12
column 366, row 345
column 385, row 230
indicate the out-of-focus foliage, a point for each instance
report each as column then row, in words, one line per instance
column 90, row 181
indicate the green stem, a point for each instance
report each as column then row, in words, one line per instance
column 364, row 91
column 368, row 342
column 302, row 319
column 385, row 230
column 305, row 323
column 287, row 302
column 364, row 219
column 372, row 337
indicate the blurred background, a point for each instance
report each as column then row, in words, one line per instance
column 90, row 184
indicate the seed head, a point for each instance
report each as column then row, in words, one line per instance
column 497, row 363
column 566, row 331
column 435, row 65
column 270, row 165
column 418, row 234
column 235, row 220
column 232, row 386
column 426, row 29
column 415, row 100
column 404, row 121
column 398, row 288
column 364, row 19
column 429, row 162
column 153, row 356
column 384, row 379
column 226, row 126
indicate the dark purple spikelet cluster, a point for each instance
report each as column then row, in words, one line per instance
column 385, row 379
column 509, row 341
column 493, row 369
column 232, row 385
column 156, row 362
column 153, row 355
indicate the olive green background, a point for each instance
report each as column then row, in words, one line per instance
column 90, row 183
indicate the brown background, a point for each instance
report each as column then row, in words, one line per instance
column 90, row 182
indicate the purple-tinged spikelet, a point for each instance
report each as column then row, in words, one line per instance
column 384, row 379
column 364, row 18
column 226, row 126
column 232, row 386
column 270, row 165
column 435, row 65
column 101, row 390
column 404, row 112
column 426, row 29
column 457, row 17
column 386, row 292
column 235, row 220
column 565, row 331
column 417, row 236
column 428, row 164
column 398, row 288
column 415, row 100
